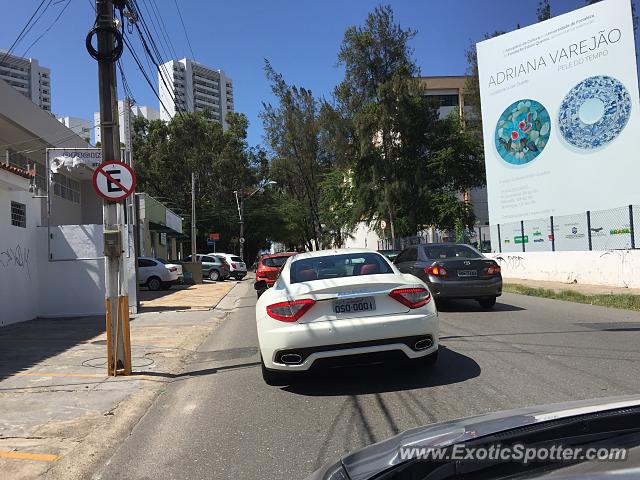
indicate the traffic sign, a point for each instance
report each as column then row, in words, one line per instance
column 241, row 239
column 383, row 224
column 210, row 242
column 214, row 236
column 114, row 180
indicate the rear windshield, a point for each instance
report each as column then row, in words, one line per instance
column 338, row 266
column 450, row 251
column 161, row 260
column 236, row 259
column 274, row 261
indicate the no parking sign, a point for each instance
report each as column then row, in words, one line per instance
column 114, row 181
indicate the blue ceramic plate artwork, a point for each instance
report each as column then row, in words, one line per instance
column 522, row 132
column 594, row 112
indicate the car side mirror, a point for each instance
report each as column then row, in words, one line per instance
column 260, row 285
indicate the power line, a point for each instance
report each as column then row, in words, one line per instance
column 142, row 70
column 166, row 50
column 48, row 28
column 184, row 29
column 44, row 10
column 162, row 69
column 163, row 28
column 22, row 33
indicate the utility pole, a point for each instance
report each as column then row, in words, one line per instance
column 116, row 285
column 240, row 204
column 242, row 227
column 193, row 217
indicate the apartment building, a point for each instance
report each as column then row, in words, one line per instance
column 188, row 86
column 79, row 126
column 126, row 112
column 28, row 77
column 448, row 92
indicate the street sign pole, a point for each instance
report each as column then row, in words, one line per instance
column 116, row 298
column 193, row 216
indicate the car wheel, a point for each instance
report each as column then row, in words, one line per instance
column 275, row 378
column 487, row 302
column 154, row 284
column 214, row 275
column 426, row 361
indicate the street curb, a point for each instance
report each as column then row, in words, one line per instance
column 87, row 459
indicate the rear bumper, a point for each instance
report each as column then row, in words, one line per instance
column 268, row 281
column 318, row 340
column 465, row 288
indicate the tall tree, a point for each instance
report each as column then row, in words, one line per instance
column 544, row 10
column 379, row 74
column 401, row 169
column 167, row 153
column 292, row 132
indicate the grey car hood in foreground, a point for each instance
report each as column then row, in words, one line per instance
column 376, row 458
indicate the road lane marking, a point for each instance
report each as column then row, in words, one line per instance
column 44, row 374
column 40, row 457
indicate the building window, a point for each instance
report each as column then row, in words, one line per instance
column 444, row 100
column 18, row 214
column 66, row 187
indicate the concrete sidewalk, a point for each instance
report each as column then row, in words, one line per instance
column 60, row 410
column 573, row 287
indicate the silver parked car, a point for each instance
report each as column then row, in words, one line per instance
column 156, row 273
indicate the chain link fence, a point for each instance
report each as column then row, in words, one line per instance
column 613, row 229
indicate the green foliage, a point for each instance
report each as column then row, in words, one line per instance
column 165, row 155
column 544, row 10
column 407, row 165
column 336, row 207
column 292, row 131
column 624, row 301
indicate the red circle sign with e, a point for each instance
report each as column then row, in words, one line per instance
column 114, row 180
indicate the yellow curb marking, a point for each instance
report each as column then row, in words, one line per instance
column 41, row 457
column 44, row 374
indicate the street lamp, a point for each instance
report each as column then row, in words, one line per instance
column 240, row 203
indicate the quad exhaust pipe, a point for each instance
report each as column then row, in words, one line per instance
column 291, row 358
column 423, row 343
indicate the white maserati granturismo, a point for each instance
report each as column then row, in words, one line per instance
column 339, row 306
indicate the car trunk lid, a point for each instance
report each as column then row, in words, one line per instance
column 354, row 297
column 465, row 268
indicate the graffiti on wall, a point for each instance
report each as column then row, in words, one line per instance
column 17, row 257
column 511, row 262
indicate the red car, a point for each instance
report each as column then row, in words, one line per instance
column 269, row 268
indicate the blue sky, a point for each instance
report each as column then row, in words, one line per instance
column 300, row 37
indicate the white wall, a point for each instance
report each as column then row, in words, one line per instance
column 18, row 265
column 617, row 268
column 363, row 237
column 73, row 283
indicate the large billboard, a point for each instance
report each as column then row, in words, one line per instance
column 561, row 117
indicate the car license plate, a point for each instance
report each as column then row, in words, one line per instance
column 354, row 305
column 467, row 273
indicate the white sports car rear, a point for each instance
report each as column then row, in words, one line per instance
column 337, row 304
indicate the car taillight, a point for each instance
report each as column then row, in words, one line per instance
column 290, row 311
column 411, row 297
column 173, row 269
column 492, row 269
column 436, row 270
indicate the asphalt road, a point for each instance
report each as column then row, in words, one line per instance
column 219, row 420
